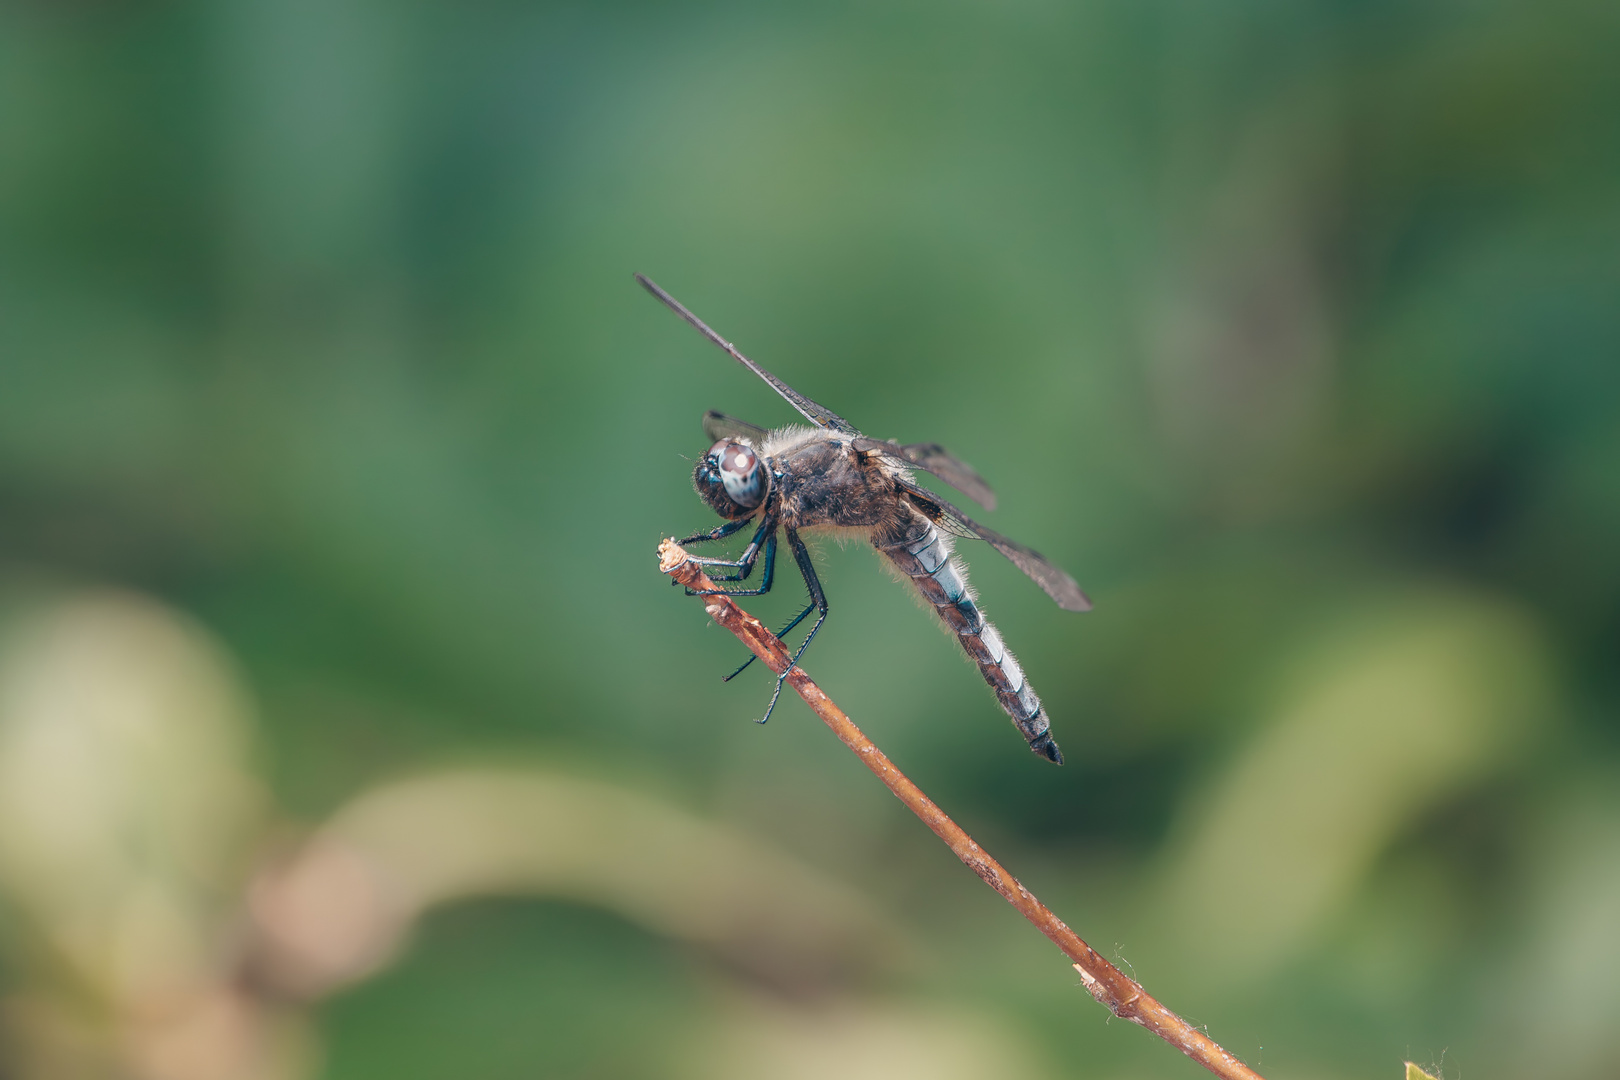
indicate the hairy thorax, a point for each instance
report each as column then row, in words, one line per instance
column 827, row 484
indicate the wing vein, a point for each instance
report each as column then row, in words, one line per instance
column 1058, row 585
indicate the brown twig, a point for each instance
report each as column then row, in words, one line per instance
column 1122, row 996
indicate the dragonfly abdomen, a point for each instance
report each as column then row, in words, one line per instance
column 928, row 560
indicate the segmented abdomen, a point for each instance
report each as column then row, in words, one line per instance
column 928, row 560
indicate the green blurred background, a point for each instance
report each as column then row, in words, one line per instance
column 347, row 729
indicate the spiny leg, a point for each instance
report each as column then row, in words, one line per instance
column 818, row 600
column 797, row 619
column 765, row 579
column 719, row 532
column 744, row 563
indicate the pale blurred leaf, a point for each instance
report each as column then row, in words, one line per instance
column 126, row 799
column 339, row 908
column 1389, row 714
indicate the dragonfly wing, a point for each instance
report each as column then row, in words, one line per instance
column 934, row 458
column 1057, row 584
column 717, row 426
column 816, row 414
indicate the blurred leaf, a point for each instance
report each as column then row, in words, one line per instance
column 858, row 1039
column 126, row 800
column 1571, row 947
column 337, row 909
column 128, row 813
column 1395, row 711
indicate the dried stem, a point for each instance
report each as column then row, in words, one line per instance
column 1122, row 996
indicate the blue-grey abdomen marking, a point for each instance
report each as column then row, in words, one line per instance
column 928, row 560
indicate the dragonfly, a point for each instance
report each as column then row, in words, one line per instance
column 831, row 478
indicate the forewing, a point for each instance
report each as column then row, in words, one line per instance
column 717, row 426
column 816, row 414
column 934, row 458
column 1057, row 584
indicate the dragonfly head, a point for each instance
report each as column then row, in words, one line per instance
column 732, row 478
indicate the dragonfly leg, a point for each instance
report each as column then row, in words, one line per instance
column 747, row 564
column 818, row 600
column 743, row 565
column 719, row 532
column 797, row 619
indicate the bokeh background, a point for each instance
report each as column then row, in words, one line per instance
column 347, row 729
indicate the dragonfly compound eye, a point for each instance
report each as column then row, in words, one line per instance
column 741, row 471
